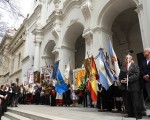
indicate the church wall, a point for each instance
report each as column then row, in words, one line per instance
column 96, row 30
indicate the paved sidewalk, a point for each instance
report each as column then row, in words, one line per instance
column 74, row 113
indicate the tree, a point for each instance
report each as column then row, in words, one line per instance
column 11, row 8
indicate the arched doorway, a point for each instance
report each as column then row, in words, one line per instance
column 49, row 57
column 127, row 35
column 120, row 22
column 74, row 45
column 80, row 51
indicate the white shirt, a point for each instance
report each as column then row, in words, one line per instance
column 148, row 60
column 129, row 65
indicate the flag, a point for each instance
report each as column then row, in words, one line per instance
column 114, row 59
column 103, row 72
column 87, row 65
column 85, row 78
column 55, row 69
column 108, row 71
column 61, row 86
column 80, row 77
column 67, row 71
column 92, row 85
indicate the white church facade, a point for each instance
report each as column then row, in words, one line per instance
column 75, row 29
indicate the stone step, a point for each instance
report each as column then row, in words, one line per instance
column 5, row 118
column 13, row 116
column 34, row 115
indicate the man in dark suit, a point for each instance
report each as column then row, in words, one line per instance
column 133, row 87
column 16, row 92
column 145, row 70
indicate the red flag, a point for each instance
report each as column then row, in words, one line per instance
column 92, row 85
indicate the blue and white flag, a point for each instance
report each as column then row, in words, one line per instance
column 114, row 59
column 61, row 86
column 55, row 69
column 105, row 78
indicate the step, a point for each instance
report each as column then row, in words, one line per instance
column 14, row 116
column 34, row 115
column 5, row 118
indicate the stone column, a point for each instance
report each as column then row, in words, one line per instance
column 38, row 39
column 144, row 25
column 88, row 35
column 37, row 56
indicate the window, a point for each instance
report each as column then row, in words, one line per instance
column 12, row 65
column 19, row 59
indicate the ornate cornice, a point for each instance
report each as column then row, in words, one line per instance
column 56, row 32
column 16, row 45
column 88, row 33
column 139, row 8
column 102, row 29
column 48, row 57
column 68, row 48
column 56, row 14
column 38, row 32
column 36, row 12
column 68, row 4
column 53, row 22
column 87, row 11
column 57, row 4
column 25, row 59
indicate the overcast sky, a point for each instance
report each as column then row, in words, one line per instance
column 13, row 22
column 25, row 7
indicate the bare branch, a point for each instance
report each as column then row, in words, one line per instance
column 12, row 7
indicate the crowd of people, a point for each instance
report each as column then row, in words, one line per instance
column 125, row 95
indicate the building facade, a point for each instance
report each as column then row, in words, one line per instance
column 5, row 56
column 16, row 51
column 75, row 29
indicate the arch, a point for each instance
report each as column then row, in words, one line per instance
column 49, row 56
column 49, row 47
column 111, row 10
column 69, row 5
column 72, row 34
column 73, row 44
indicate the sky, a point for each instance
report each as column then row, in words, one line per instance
column 25, row 7
column 13, row 22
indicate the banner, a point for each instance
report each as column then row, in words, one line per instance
column 46, row 73
column 36, row 77
column 30, row 76
column 79, row 76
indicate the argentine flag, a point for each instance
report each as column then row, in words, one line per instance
column 105, row 77
column 114, row 59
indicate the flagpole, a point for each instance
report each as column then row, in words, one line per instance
column 88, row 55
